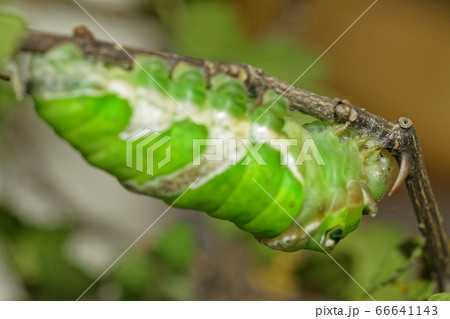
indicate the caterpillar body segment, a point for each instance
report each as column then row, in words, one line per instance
column 265, row 180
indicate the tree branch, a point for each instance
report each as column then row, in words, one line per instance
column 398, row 137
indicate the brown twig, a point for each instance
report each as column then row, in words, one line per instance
column 398, row 137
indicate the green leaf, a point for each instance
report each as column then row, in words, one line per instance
column 443, row 296
column 13, row 29
column 397, row 261
column 136, row 276
column 212, row 30
column 38, row 256
column 421, row 289
column 379, row 258
column 177, row 245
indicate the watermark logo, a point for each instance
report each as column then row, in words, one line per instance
column 138, row 149
column 141, row 148
column 227, row 150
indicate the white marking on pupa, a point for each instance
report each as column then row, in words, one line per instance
column 122, row 88
column 311, row 227
column 321, row 239
column 260, row 132
column 329, row 243
column 272, row 245
column 221, row 115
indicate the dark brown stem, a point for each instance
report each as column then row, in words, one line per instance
column 398, row 137
column 426, row 209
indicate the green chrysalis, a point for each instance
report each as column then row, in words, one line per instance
column 103, row 110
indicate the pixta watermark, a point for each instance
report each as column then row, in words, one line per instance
column 141, row 148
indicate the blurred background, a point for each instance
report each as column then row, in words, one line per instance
column 63, row 222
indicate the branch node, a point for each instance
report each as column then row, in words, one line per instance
column 82, row 32
column 405, row 122
column 343, row 110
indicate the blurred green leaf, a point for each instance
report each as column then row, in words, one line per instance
column 39, row 257
column 137, row 271
column 443, row 296
column 177, row 287
column 161, row 273
column 377, row 256
column 212, row 30
column 9, row 224
column 47, row 272
column 395, row 266
column 12, row 30
column 420, row 289
column 8, row 100
column 177, row 245
column 136, row 276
